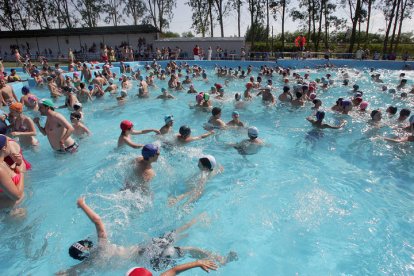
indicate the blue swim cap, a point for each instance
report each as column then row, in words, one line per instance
column 168, row 118
column 149, row 150
column 90, row 87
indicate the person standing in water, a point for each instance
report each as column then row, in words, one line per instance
column 57, row 129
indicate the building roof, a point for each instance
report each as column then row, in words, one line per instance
column 130, row 29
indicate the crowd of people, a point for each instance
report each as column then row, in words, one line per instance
column 19, row 128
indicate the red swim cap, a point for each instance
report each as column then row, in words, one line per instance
column 126, row 125
column 138, row 271
column 218, row 86
column 249, row 85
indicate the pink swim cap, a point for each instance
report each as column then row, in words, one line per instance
column 199, row 97
column 363, row 105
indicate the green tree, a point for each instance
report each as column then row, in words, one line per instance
column 160, row 12
column 136, row 9
column 200, row 16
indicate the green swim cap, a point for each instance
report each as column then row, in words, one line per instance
column 206, row 96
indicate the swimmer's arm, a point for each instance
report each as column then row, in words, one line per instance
column 206, row 265
column 75, row 270
column 144, row 131
column 132, row 144
column 396, row 140
column 14, row 192
column 205, row 135
column 42, row 129
column 86, row 130
column 260, row 93
column 94, row 217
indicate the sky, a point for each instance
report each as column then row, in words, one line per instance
column 182, row 21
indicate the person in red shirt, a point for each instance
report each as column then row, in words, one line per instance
column 196, row 52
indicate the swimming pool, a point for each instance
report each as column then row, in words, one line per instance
column 309, row 203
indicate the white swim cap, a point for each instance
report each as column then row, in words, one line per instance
column 211, row 162
column 253, row 132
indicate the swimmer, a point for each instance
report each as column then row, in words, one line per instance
column 84, row 95
column 25, row 98
column 161, row 252
column 391, row 111
column 220, row 95
column 376, row 116
column 320, row 115
column 184, row 135
column 299, row 101
column 404, row 114
column 192, row 90
column 238, row 101
column 208, row 168
column 286, row 96
column 363, row 106
column 165, row 95
column 317, row 104
column 267, row 96
column 167, row 128
column 7, row 95
column 123, row 97
column 22, row 126
column 11, row 181
column 79, row 128
column 57, row 129
column 112, row 87
column 252, row 145
column 410, row 127
column 143, row 165
column 127, row 130
column 235, row 122
column 215, row 121
column 143, row 88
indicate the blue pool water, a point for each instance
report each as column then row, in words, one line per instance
column 331, row 202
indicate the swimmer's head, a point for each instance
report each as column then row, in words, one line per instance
column 237, row 96
column 185, row 131
column 235, row 114
column 405, row 113
column 252, row 132
column 363, row 105
column 111, row 81
column 216, row 111
column 138, row 271
column 124, row 93
column 199, row 97
column 312, row 96
column 206, row 97
column 392, row 91
column 376, row 115
column 207, row 162
column 346, row 82
column 77, row 106
column 75, row 116
column 384, row 88
column 317, row 102
column 411, row 120
column 150, row 150
column 392, row 110
column 126, row 125
column 80, row 250
column 249, row 85
column 286, row 88
column 320, row 115
column 404, row 95
column 355, row 87
column 168, row 119
column 25, row 90
column 90, row 87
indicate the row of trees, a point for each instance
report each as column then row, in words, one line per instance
column 317, row 18
column 49, row 14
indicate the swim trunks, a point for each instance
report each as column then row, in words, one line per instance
column 71, row 149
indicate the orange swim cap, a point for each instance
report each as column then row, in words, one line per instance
column 18, row 107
